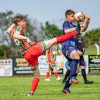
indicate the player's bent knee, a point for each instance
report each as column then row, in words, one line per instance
column 77, row 57
column 74, row 55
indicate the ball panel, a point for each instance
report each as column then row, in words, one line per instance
column 79, row 16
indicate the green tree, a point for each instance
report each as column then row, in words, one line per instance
column 51, row 29
column 3, row 51
column 91, row 37
column 5, row 22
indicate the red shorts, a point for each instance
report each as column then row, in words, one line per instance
column 33, row 53
column 52, row 63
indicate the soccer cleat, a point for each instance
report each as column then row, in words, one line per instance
column 88, row 82
column 30, row 94
column 73, row 81
column 47, row 79
column 66, row 91
column 58, row 78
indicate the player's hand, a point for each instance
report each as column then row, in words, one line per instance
column 87, row 18
column 28, row 40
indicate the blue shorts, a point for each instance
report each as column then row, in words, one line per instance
column 66, row 50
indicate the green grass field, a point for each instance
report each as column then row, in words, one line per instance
column 91, row 50
column 15, row 88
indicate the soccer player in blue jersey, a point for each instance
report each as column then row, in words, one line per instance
column 72, row 49
column 69, row 49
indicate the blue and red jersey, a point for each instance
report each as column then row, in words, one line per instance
column 73, row 40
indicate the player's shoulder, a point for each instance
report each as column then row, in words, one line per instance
column 20, row 29
column 66, row 22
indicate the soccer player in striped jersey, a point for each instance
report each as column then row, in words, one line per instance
column 30, row 50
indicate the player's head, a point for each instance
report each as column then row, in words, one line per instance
column 69, row 14
column 19, row 20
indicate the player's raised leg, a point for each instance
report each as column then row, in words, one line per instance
column 60, row 39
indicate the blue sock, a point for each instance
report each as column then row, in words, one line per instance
column 67, row 85
column 73, row 67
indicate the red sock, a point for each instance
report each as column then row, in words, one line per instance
column 56, row 74
column 66, row 36
column 34, row 84
column 47, row 75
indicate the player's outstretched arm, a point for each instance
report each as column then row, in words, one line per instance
column 86, row 24
column 66, row 31
column 10, row 28
column 17, row 35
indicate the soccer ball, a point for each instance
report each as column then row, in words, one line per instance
column 79, row 16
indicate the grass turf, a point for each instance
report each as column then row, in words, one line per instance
column 15, row 88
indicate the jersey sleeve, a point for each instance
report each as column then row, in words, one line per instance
column 20, row 29
column 66, row 25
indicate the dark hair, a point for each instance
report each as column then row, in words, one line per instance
column 18, row 18
column 69, row 12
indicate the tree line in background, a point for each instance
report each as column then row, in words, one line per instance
column 91, row 37
column 37, row 32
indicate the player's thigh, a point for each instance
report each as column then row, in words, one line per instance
column 29, row 59
column 74, row 54
column 36, row 50
column 66, row 50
